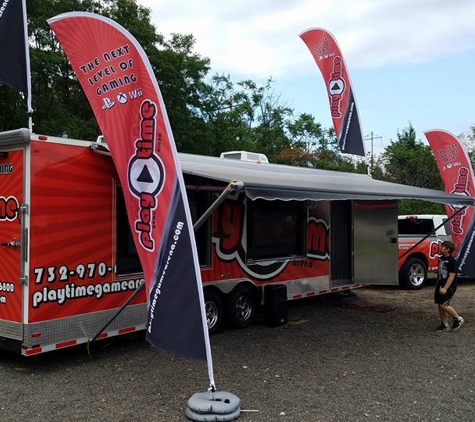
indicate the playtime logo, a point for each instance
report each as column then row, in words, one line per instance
column 460, row 188
column 336, row 87
column 146, row 174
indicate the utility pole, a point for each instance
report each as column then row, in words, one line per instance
column 372, row 137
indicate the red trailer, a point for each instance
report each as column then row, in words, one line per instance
column 68, row 261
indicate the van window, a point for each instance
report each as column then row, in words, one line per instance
column 275, row 229
column 415, row 226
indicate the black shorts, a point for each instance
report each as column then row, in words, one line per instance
column 441, row 299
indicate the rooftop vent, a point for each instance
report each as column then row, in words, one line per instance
column 253, row 157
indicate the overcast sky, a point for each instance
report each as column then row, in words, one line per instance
column 409, row 60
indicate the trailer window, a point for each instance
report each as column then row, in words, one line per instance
column 128, row 261
column 275, row 229
column 199, row 202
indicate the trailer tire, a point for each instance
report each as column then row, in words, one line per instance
column 214, row 311
column 241, row 307
column 413, row 274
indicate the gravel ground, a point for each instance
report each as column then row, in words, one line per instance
column 374, row 357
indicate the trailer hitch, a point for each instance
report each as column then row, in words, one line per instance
column 13, row 244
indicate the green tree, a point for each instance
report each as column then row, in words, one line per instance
column 264, row 117
column 244, row 116
column 181, row 73
column 307, row 134
column 409, row 162
column 227, row 114
column 468, row 139
column 60, row 106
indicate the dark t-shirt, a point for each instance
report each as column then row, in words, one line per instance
column 447, row 265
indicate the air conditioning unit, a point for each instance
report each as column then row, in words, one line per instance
column 253, row 157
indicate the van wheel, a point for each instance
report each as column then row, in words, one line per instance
column 413, row 274
column 214, row 312
column 241, row 307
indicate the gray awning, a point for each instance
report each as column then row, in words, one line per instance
column 274, row 181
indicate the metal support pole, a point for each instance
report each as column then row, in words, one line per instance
column 134, row 294
column 232, row 187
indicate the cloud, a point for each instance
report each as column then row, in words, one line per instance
column 260, row 38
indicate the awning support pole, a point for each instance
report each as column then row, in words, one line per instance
column 433, row 231
column 130, row 299
column 232, row 187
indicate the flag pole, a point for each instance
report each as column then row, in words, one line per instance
column 28, row 68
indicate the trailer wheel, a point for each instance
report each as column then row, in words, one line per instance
column 214, row 311
column 241, row 307
column 413, row 274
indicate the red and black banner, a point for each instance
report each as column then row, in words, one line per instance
column 14, row 56
column 119, row 82
column 457, row 175
column 329, row 59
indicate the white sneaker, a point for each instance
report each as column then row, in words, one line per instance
column 457, row 323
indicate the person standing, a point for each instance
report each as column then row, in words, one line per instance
column 446, row 287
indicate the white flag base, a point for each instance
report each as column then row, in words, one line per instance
column 213, row 406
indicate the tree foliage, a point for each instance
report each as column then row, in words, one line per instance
column 409, row 162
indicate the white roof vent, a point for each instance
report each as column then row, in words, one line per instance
column 253, row 157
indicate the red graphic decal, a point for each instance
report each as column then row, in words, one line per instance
column 230, row 216
column 457, row 222
column 336, row 88
column 318, row 239
column 8, row 208
column 434, row 249
column 462, row 181
column 460, row 187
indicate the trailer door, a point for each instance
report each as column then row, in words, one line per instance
column 375, row 242
column 341, row 269
column 11, row 199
